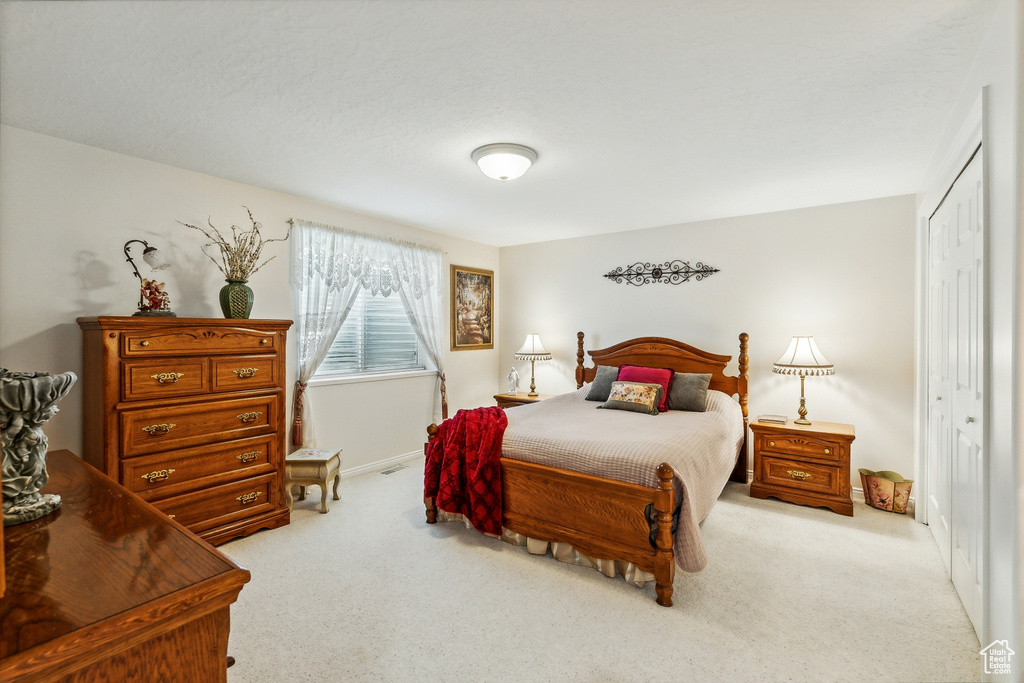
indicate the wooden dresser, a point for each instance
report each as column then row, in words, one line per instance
column 189, row 413
column 806, row 464
column 106, row 588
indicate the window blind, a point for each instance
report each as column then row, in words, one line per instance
column 376, row 337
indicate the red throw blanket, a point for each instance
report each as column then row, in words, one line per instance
column 463, row 470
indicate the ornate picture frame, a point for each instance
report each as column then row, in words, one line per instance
column 472, row 308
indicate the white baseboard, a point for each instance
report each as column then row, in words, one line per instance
column 379, row 465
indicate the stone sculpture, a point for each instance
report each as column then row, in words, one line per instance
column 27, row 401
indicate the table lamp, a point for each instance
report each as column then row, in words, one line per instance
column 803, row 358
column 532, row 350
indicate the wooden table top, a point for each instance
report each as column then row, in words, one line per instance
column 97, row 560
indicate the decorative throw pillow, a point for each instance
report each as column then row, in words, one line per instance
column 636, row 397
column 689, row 392
column 602, row 385
column 638, row 373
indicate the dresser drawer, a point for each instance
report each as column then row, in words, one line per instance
column 236, row 373
column 197, row 340
column 800, row 475
column 799, row 444
column 165, row 377
column 210, row 507
column 168, row 474
column 151, row 430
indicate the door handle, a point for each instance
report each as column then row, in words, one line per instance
column 968, row 419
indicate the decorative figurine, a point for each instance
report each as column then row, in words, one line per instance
column 27, row 401
column 513, row 381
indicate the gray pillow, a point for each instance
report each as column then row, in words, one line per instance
column 689, row 392
column 602, row 386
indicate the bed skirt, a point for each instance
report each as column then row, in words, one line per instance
column 563, row 552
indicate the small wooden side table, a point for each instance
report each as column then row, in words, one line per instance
column 506, row 400
column 805, row 464
column 309, row 466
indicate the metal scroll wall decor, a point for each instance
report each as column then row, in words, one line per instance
column 670, row 273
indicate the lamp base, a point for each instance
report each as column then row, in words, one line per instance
column 156, row 314
column 802, row 421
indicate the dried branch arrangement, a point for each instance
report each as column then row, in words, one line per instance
column 239, row 258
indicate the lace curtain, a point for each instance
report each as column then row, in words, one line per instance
column 329, row 267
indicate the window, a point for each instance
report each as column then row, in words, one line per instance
column 376, row 337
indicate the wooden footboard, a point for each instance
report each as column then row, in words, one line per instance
column 602, row 518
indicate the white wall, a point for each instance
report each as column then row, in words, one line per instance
column 997, row 68
column 843, row 273
column 66, row 211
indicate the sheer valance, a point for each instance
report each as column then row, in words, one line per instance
column 329, row 267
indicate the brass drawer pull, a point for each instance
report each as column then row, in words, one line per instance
column 247, row 498
column 248, row 457
column 168, row 377
column 158, row 475
column 797, row 474
column 827, row 451
column 145, row 343
column 250, row 417
column 171, row 516
column 245, row 373
column 264, row 341
column 158, row 430
column 771, row 443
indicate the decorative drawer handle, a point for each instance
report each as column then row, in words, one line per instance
column 771, row 443
column 827, row 451
column 145, row 343
column 797, row 474
column 245, row 373
column 158, row 475
column 171, row 516
column 250, row 417
column 247, row 498
column 248, row 457
column 157, row 430
column 264, row 341
column 168, row 377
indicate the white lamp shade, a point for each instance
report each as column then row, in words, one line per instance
column 803, row 358
column 532, row 349
column 504, row 161
column 155, row 258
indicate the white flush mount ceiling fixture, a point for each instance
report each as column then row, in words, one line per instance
column 504, row 160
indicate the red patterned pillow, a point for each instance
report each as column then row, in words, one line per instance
column 638, row 373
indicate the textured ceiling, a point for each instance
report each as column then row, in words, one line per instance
column 644, row 113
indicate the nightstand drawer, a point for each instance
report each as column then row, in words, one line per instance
column 799, row 475
column 798, row 444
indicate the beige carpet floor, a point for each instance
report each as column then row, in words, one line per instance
column 370, row 592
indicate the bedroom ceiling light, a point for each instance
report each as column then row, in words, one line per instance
column 532, row 350
column 803, row 358
column 503, row 160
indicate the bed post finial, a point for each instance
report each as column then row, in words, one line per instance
column 579, row 360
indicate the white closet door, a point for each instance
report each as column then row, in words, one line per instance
column 955, row 436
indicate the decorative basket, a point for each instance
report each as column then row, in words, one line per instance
column 886, row 490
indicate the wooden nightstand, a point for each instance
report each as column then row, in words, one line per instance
column 806, row 464
column 506, row 400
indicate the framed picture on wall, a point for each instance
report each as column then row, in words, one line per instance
column 472, row 308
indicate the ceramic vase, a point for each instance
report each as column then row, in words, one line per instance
column 27, row 401
column 236, row 299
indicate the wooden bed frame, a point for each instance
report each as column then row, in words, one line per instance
column 606, row 518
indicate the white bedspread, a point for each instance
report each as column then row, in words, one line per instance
column 570, row 432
